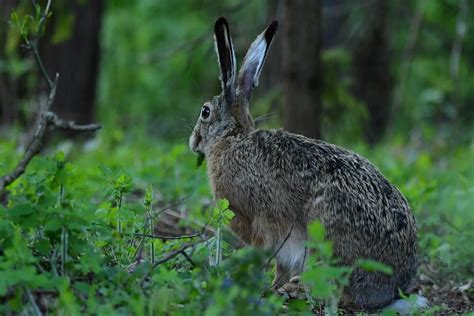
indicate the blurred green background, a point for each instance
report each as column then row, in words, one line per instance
column 401, row 69
column 392, row 80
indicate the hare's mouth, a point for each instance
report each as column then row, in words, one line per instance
column 194, row 142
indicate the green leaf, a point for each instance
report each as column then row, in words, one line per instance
column 199, row 160
column 21, row 210
column 298, row 305
column 374, row 266
column 59, row 156
column 148, row 196
column 223, row 204
column 316, row 231
column 43, row 246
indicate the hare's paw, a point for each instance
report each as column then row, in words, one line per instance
column 293, row 289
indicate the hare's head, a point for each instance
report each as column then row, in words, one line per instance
column 228, row 113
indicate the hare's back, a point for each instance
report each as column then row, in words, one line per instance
column 304, row 171
column 314, row 160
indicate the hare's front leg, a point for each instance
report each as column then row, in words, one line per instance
column 242, row 227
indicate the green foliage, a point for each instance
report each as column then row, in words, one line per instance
column 68, row 244
column 435, row 101
column 160, row 64
column 29, row 25
column 58, row 235
column 221, row 216
column 324, row 278
column 344, row 116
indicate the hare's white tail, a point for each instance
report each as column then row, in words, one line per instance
column 409, row 306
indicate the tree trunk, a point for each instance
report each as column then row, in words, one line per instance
column 76, row 59
column 8, row 95
column 373, row 80
column 335, row 14
column 302, row 67
column 272, row 72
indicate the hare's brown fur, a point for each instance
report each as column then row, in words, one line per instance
column 278, row 182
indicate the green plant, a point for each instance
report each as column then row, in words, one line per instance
column 221, row 217
column 323, row 277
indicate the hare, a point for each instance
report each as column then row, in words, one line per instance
column 277, row 183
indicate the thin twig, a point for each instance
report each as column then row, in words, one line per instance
column 36, row 310
column 170, row 237
column 175, row 203
column 278, row 281
column 170, row 256
column 267, row 264
column 188, row 258
column 33, row 47
column 33, row 44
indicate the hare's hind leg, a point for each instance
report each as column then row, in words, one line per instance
column 371, row 290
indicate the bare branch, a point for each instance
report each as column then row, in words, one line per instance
column 170, row 237
column 173, row 254
column 35, row 145
column 188, row 258
column 46, row 118
column 46, row 10
column 169, row 257
column 53, row 119
column 34, row 305
column 33, row 46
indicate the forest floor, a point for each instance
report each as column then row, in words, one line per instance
column 444, row 297
column 449, row 296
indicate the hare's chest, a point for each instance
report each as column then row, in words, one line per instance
column 245, row 191
column 254, row 190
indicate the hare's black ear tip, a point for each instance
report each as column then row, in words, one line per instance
column 271, row 30
column 274, row 25
column 221, row 21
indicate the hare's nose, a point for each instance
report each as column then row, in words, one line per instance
column 194, row 140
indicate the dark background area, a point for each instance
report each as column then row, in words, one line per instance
column 344, row 71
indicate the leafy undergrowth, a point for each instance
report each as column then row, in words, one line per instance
column 75, row 235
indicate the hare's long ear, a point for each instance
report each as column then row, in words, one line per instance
column 253, row 62
column 226, row 57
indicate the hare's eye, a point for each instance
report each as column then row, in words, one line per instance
column 206, row 111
